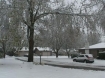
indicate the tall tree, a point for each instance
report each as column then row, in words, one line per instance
column 30, row 11
column 4, row 24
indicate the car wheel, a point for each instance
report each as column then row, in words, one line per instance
column 85, row 61
column 92, row 62
column 74, row 60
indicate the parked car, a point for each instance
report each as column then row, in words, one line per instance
column 88, row 58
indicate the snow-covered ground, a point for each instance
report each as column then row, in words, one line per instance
column 12, row 68
column 65, row 59
column 69, row 60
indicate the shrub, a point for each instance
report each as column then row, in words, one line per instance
column 1, row 55
column 101, row 56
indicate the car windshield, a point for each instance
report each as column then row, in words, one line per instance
column 89, row 55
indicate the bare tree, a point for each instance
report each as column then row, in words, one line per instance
column 30, row 11
column 4, row 24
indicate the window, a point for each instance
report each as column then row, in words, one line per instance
column 87, row 56
column 81, row 56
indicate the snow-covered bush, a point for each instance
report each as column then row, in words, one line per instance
column 1, row 55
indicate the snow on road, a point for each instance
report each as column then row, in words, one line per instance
column 11, row 68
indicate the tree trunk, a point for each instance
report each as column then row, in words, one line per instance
column 31, row 45
column 3, row 48
column 57, row 53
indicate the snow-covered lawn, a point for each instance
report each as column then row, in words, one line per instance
column 11, row 68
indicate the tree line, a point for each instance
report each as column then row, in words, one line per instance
column 49, row 23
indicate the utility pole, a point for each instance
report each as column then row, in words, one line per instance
column 40, row 58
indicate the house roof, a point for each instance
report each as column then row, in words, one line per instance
column 39, row 48
column 44, row 48
column 96, row 46
column 24, row 49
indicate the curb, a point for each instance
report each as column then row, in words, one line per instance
column 77, row 67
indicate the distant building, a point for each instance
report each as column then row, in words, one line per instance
column 94, row 49
column 22, row 52
column 44, row 51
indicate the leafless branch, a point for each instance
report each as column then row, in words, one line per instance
column 71, row 14
column 25, row 22
column 36, row 11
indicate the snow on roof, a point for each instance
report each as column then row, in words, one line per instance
column 44, row 48
column 24, row 49
column 39, row 48
column 99, row 45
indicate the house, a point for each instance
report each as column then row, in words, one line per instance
column 94, row 49
column 22, row 52
column 44, row 51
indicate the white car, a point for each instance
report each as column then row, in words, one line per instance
column 88, row 58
